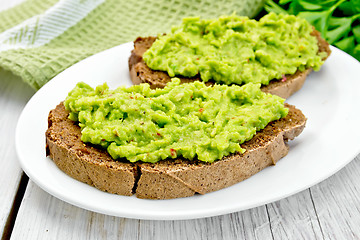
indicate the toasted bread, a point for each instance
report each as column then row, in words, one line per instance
column 141, row 73
column 168, row 178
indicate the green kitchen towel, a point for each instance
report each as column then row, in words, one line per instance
column 41, row 38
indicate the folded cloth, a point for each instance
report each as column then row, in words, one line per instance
column 41, row 38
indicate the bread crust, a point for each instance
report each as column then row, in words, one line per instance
column 84, row 162
column 141, row 73
column 170, row 178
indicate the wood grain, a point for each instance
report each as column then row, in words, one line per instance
column 13, row 96
column 326, row 211
column 337, row 203
column 42, row 216
column 294, row 211
column 329, row 210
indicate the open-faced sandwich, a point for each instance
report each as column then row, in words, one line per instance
column 278, row 51
column 169, row 142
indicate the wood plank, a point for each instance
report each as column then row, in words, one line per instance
column 42, row 216
column 337, row 202
column 294, row 218
column 13, row 96
column 250, row 224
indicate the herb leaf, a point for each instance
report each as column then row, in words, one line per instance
column 319, row 20
column 356, row 52
column 350, row 7
column 346, row 44
column 271, row 6
column 343, row 27
column 310, row 5
column 356, row 32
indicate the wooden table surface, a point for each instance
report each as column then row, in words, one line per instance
column 328, row 210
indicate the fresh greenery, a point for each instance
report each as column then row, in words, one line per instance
column 338, row 21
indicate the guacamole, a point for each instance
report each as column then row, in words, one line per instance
column 189, row 120
column 234, row 49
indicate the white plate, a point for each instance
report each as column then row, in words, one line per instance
column 330, row 140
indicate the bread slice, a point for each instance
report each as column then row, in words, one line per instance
column 84, row 162
column 169, row 178
column 141, row 73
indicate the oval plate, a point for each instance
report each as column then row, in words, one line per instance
column 330, row 140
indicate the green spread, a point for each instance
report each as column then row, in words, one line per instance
column 189, row 120
column 234, row 49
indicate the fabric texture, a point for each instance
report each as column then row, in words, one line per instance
column 108, row 24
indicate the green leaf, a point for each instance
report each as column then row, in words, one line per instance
column 295, row 8
column 317, row 19
column 271, row 6
column 310, row 6
column 338, row 21
column 310, row 16
column 326, row 4
column 338, row 32
column 346, row 44
column 283, row 2
column 357, row 48
column 350, row 7
column 356, row 32
column 356, row 52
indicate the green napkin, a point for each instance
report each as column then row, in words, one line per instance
column 41, row 38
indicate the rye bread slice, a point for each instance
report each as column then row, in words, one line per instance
column 84, row 162
column 170, row 178
column 141, row 73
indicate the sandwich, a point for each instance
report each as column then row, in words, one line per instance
column 278, row 51
column 171, row 142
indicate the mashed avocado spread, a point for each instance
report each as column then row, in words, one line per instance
column 189, row 120
column 234, row 49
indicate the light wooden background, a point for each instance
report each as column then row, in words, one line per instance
column 328, row 210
